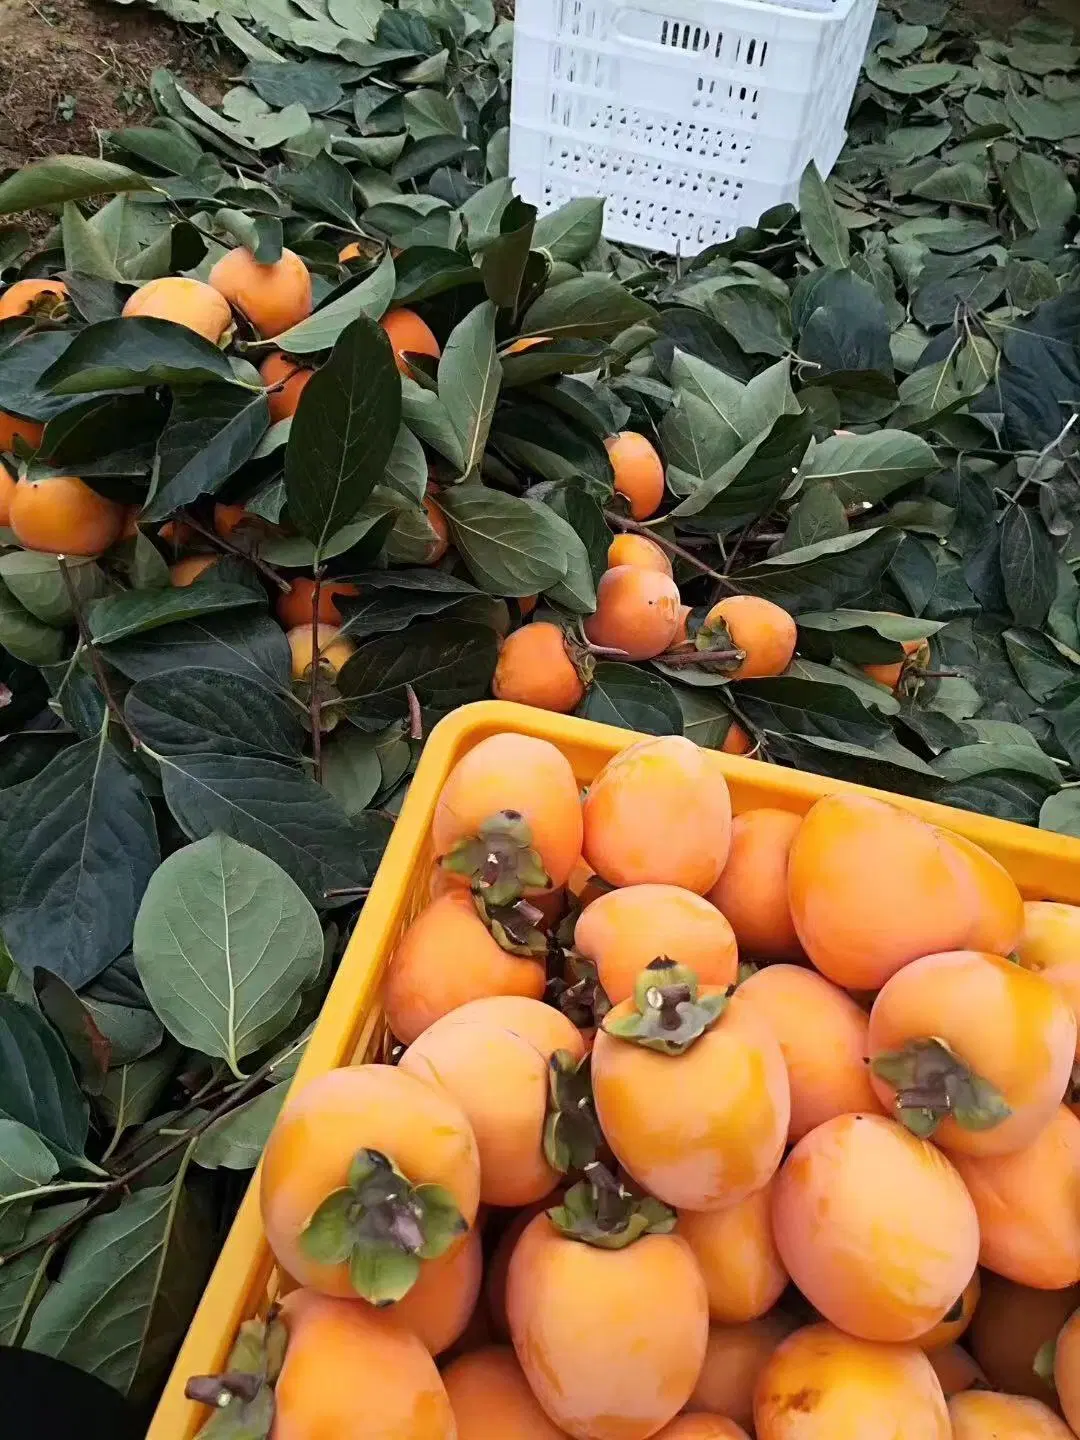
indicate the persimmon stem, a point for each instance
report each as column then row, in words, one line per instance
column 86, row 640
column 623, row 522
column 315, row 700
column 416, row 719
column 274, row 576
column 699, row 657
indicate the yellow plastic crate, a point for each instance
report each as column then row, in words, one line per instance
column 350, row 1028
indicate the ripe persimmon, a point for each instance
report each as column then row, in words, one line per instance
column 285, row 380
column 191, row 303
column 691, row 1094
column 8, row 482
column 955, row 1321
column 409, row 335
column 620, row 933
column 1011, row 1325
column 491, row 1399
column 764, row 633
column 14, row 428
column 637, row 612
column 823, row 1036
column 295, row 607
column 535, row 667
column 735, row 1250
column 659, row 813
column 998, row 914
column 34, row 297
column 440, row 1304
column 639, row 550
column 1067, row 1369
column 752, row 888
column 356, row 1137
column 61, row 515
column 702, row 1427
column 735, row 1355
column 349, row 252
column 446, row 957
column 1028, row 1204
column 526, row 342
column 875, row 1227
column 334, row 650
column 638, row 472
column 272, row 298
column 821, row 1384
column 241, row 527
column 185, row 572
column 736, row 741
column 891, row 672
column 985, row 1415
column 681, row 639
column 498, row 1266
column 1049, row 946
column 972, row 1050
column 955, row 1369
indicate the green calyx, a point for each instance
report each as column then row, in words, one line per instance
column 242, row 1397
column 599, row 1211
column 578, row 993
column 515, row 927
column 932, row 1083
column 383, row 1227
column 572, row 1138
column 499, row 861
column 669, row 1013
column 1045, row 1360
column 718, row 637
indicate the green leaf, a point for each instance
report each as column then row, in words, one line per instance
column 134, row 612
column 823, row 575
column 1061, row 813
column 1039, row 192
column 752, row 481
column 576, row 591
column 26, row 1162
column 630, row 697
column 211, row 432
column 25, row 636
column 86, row 1043
column 469, row 377
column 1028, row 568
column 24, row 1280
column 225, row 942
column 822, row 221
column 84, row 249
column 818, row 515
column 185, row 710
column 594, row 306
column 511, row 546
column 390, row 600
column 246, row 644
column 503, row 258
column 447, row 662
column 867, row 468
column 38, row 1088
column 322, row 330
column 236, row 1141
column 119, row 354
column 65, row 177
column 351, row 770
column 571, row 231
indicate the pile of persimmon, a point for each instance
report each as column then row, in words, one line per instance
column 692, row 1125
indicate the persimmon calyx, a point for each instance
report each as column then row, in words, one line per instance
column 669, row 1013
column 242, row 1397
column 383, row 1227
column 600, row 1211
column 578, row 993
column 515, row 927
column 572, row 1137
column 932, row 1083
column 1045, row 1360
column 499, row 860
column 718, row 637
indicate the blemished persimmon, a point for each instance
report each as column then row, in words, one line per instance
column 658, row 813
column 61, row 515
column 735, row 1355
column 522, row 786
column 765, row 633
column 191, row 303
column 272, row 298
column 535, row 667
column 1049, row 946
column 439, row 524
column 285, row 380
column 1067, row 1369
column 584, row 1325
column 971, row 1049
column 735, row 1250
column 956, row 1321
column 295, row 607
column 384, row 1361
column 334, row 649
column 185, row 572
column 875, row 1227
column 736, row 741
column 702, row 1427
column 620, row 932
column 821, row 1384
column 639, row 550
column 638, row 472
column 702, row 1122
column 872, row 887
column 1011, row 1325
column 1028, row 1204
column 409, row 335
column 823, row 1036
column 985, row 1415
column 446, row 957
column 998, row 915
column 33, row 297
column 14, row 428
column 752, row 888
column 955, row 1369
column 637, row 612
column 7, row 491
column 491, row 1399
column 441, row 1302
column 891, row 672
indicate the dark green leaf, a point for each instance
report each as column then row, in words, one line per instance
column 823, row 221
column 822, row 576
column 1027, row 565
column 133, row 612
column 868, row 468
column 116, row 354
column 630, row 697
column 211, row 432
column 391, row 600
column 447, row 663
column 594, row 306
column 236, row 1141
column 185, row 710
column 38, row 1088
column 512, row 546
column 50, row 182
column 571, row 231
column 818, row 515
column 469, row 376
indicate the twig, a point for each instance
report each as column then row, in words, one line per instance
column 737, row 547
column 624, row 523
column 1033, row 473
column 315, row 699
column 416, row 720
column 87, row 641
column 699, row 657
column 347, row 891
column 230, row 549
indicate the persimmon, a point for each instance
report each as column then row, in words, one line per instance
column 185, row 572
column 1028, row 1205
column 446, row 957
column 681, row 639
column 1049, row 946
column 972, row 1050
column 638, row 550
column 998, row 916
column 638, row 472
column 437, row 520
column 691, row 1093
column 955, row 1369
column 891, row 672
column 61, row 515
column 440, row 1304
column 43, row 297
column 985, row 1415
column 765, row 633
column 509, row 816
column 702, row 1427
column 955, row 1321
column 823, row 1036
column 491, row 1399
column 272, row 298
column 535, row 667
column 736, row 741
column 735, row 1250
column 14, row 428
column 295, row 607
column 285, row 381
column 872, row 888
column 8, row 481
column 1011, row 1325
column 191, row 303
column 1067, row 1369
column 620, row 932
column 875, row 1227
column 659, row 813
column 409, row 335
column 821, row 1384
column 735, row 1355
column 363, row 1141
column 752, row 888
column 583, row 1316
column 334, row 649
column 637, row 612
column 497, row 1071
column 498, row 1267
column 526, row 342
column 240, row 526
column 349, row 252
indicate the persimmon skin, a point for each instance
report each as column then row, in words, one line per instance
column 736, row 741
column 272, row 297
column 985, row 1415
column 638, row 472
column 955, row 1369
column 946, row 1331
column 491, row 1399
column 318, row 1133
column 295, row 608
column 763, row 630
column 859, row 1211
column 14, row 427
column 534, row 668
column 737, row 1255
column 7, row 492
column 409, row 335
column 440, row 1304
column 659, row 813
column 998, row 919
column 623, row 931
column 288, row 379
column 1049, row 946
column 701, row 1130
column 822, row 1384
column 446, row 957
column 1028, row 1205
column 637, row 612
column 889, row 672
column 393, row 1390
column 499, row 1265
column 823, row 1036
column 191, row 303
column 702, row 1427
column 334, row 649
column 24, row 297
column 752, row 888
column 1010, row 1326
column 638, row 550
column 1011, row 1027
column 522, row 774
column 62, row 515
column 584, row 1325
column 185, row 572
column 735, row 1356
column 1067, row 1369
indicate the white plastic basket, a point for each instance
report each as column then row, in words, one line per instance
column 691, row 117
